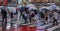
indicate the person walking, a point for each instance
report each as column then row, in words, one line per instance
column 4, row 19
column 21, row 11
column 46, row 17
column 55, row 16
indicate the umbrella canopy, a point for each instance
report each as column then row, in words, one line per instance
column 12, row 9
column 32, row 8
column 50, row 9
column 55, row 7
column 30, row 5
column 43, row 8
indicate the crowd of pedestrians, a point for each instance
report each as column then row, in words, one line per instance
column 33, row 16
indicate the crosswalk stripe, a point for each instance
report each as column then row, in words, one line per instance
column 53, row 28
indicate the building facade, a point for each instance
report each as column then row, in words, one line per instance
column 43, row 1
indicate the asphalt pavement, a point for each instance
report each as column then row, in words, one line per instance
column 19, row 20
column 58, row 29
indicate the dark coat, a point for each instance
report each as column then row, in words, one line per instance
column 4, row 13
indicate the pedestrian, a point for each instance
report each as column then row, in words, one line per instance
column 12, row 11
column 21, row 11
column 55, row 16
column 31, row 14
column 46, row 16
column 42, row 15
column 11, row 14
column 4, row 19
column 33, row 19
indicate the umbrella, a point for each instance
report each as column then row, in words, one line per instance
column 12, row 9
column 50, row 9
column 43, row 8
column 30, row 5
column 32, row 8
column 55, row 7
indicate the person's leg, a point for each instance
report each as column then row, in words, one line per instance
column 20, row 14
column 30, row 20
column 56, row 21
column 25, row 20
column 12, row 16
column 2, row 18
column 47, row 20
column 5, row 23
column 2, row 23
column 3, row 27
column 44, row 22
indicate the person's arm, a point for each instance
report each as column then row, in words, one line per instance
column 1, row 12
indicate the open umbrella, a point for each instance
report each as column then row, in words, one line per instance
column 55, row 7
column 30, row 5
column 32, row 8
column 43, row 8
column 12, row 9
column 50, row 9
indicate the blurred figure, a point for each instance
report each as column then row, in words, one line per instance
column 33, row 18
column 12, row 11
column 50, row 16
column 55, row 16
column 31, row 14
column 11, row 14
column 25, row 15
column 42, row 15
column 4, row 19
column 0, row 3
column 21, row 11
column 46, row 16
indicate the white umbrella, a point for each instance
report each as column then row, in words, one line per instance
column 58, row 8
column 32, row 8
column 50, row 9
column 41, row 9
column 30, row 5
column 55, row 7
column 12, row 9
